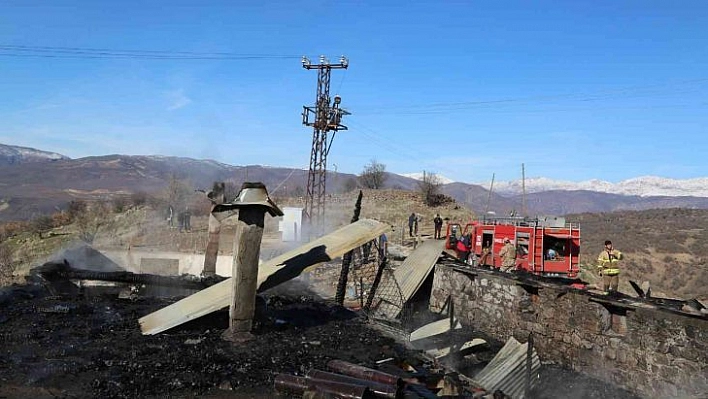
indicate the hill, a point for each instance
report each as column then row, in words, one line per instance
column 566, row 202
column 30, row 189
column 144, row 226
column 12, row 155
column 34, row 182
column 667, row 247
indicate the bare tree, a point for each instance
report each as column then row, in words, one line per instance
column 178, row 192
column 93, row 217
column 231, row 190
column 430, row 188
column 373, row 175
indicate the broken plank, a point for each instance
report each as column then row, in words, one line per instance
column 270, row 274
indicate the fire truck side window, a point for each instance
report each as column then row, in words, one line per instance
column 487, row 240
column 522, row 246
column 554, row 248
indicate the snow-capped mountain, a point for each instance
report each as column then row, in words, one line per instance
column 644, row 186
column 11, row 154
column 419, row 176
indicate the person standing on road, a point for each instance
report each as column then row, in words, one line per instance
column 508, row 255
column 438, row 222
column 608, row 265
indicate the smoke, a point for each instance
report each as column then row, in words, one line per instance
column 84, row 256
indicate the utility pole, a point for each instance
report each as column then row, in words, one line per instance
column 324, row 117
column 523, row 190
column 489, row 197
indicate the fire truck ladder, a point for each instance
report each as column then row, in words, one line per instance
column 538, row 249
column 570, row 247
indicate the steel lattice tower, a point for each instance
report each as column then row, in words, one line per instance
column 324, row 117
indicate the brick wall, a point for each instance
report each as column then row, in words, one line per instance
column 653, row 353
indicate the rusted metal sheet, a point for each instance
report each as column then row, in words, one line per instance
column 379, row 389
column 294, row 385
column 411, row 274
column 354, row 370
column 507, row 371
column 270, row 274
column 290, row 384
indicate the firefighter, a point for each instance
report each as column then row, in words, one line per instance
column 608, row 267
column 508, row 255
column 486, row 254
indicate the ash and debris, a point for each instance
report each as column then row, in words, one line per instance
column 93, row 347
column 90, row 345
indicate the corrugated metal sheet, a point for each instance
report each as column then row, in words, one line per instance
column 507, row 371
column 434, row 328
column 411, row 274
column 442, row 352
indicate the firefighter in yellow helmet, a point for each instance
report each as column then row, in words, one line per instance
column 608, row 265
column 508, row 255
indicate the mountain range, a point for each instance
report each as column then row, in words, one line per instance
column 33, row 182
column 10, row 155
column 644, row 186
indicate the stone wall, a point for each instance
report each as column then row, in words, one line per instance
column 654, row 353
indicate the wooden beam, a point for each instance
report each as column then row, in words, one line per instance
column 270, row 274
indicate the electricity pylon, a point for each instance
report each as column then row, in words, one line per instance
column 325, row 116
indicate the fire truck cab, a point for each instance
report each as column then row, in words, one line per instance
column 546, row 246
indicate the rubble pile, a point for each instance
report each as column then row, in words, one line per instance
column 59, row 342
column 92, row 346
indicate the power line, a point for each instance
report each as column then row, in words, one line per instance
column 93, row 53
column 398, row 149
column 341, row 81
column 618, row 93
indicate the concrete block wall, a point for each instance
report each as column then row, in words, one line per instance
column 656, row 354
column 189, row 263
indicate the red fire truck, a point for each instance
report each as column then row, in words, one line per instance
column 546, row 246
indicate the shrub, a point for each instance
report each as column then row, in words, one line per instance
column 120, row 204
column 139, row 198
column 41, row 224
column 7, row 265
column 60, row 219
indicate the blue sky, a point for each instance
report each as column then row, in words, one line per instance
column 575, row 90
